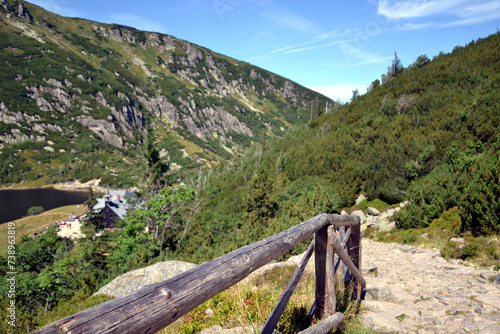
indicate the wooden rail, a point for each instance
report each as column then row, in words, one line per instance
column 156, row 306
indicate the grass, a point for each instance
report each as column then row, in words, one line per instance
column 79, row 302
column 250, row 303
column 29, row 225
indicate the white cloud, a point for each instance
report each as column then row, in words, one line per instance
column 411, row 9
column 318, row 42
column 417, row 26
column 477, row 14
column 342, row 92
column 463, row 12
column 136, row 22
column 288, row 20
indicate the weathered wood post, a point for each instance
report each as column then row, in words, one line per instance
column 354, row 251
column 325, row 298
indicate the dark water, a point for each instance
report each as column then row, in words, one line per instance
column 15, row 203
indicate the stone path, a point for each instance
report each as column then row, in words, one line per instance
column 417, row 291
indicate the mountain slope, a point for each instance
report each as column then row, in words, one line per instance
column 77, row 95
column 429, row 134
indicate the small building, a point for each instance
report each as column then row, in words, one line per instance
column 112, row 206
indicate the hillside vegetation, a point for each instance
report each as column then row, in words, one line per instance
column 77, row 98
column 428, row 133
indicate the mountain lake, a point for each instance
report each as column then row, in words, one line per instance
column 14, row 204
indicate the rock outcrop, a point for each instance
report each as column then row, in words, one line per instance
column 104, row 129
column 139, row 278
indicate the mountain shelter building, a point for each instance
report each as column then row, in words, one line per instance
column 112, row 206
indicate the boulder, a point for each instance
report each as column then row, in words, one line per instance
column 360, row 214
column 387, row 227
column 460, row 241
column 139, row 278
column 360, row 199
column 371, row 221
column 377, row 289
column 373, row 212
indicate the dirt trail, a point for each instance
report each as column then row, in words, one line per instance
column 417, row 291
column 65, row 231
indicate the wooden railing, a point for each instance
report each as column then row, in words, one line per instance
column 156, row 306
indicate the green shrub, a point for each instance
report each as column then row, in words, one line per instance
column 480, row 203
column 35, row 210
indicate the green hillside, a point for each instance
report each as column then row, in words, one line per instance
column 76, row 98
column 429, row 133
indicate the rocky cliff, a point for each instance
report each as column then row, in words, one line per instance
column 88, row 87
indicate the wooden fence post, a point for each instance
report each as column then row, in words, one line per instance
column 273, row 319
column 354, row 251
column 325, row 298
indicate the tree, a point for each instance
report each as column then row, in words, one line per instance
column 355, row 95
column 396, row 67
column 374, row 85
column 421, row 61
column 156, row 167
column 480, row 201
column 92, row 218
column 156, row 217
column 261, row 201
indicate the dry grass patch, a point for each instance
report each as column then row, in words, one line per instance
column 31, row 224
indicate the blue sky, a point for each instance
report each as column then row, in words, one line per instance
column 331, row 46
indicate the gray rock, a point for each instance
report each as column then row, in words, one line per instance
column 22, row 12
column 493, row 329
column 104, row 129
column 387, row 227
column 378, row 289
column 497, row 279
column 408, row 248
column 470, row 327
column 381, row 318
column 458, row 240
column 371, row 221
column 6, row 5
column 373, row 211
column 360, row 199
column 209, row 312
column 213, row 329
column 139, row 278
column 360, row 214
